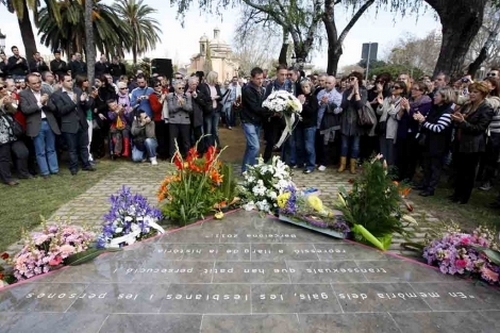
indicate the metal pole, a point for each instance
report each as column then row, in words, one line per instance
column 368, row 60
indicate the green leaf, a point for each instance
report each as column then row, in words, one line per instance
column 85, row 256
column 493, row 255
column 359, row 229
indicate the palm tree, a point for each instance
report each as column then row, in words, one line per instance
column 111, row 35
column 89, row 40
column 21, row 8
column 145, row 30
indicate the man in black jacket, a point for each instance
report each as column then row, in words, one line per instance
column 17, row 65
column 72, row 105
column 101, row 67
column 117, row 69
column 253, row 115
column 58, row 66
column 37, row 64
column 77, row 66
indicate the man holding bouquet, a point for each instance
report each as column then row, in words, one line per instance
column 253, row 114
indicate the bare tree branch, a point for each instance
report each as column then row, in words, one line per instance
column 354, row 19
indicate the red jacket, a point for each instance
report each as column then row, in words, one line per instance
column 19, row 116
column 156, row 106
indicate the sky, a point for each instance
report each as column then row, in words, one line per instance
column 180, row 43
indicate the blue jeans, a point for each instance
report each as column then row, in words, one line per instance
column 387, row 149
column 305, row 139
column 252, row 134
column 45, row 150
column 138, row 155
column 352, row 143
column 229, row 114
column 211, row 126
column 289, row 151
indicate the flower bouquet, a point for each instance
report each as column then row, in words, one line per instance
column 373, row 207
column 474, row 254
column 307, row 210
column 263, row 183
column 199, row 186
column 287, row 105
column 46, row 250
column 129, row 219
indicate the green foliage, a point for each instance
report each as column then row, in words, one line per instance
column 86, row 256
column 111, row 35
column 379, row 67
column 374, row 202
column 228, row 187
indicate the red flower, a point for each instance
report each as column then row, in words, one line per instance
column 210, row 155
column 192, row 154
column 465, row 240
column 4, row 256
column 56, row 261
column 460, row 263
column 178, row 161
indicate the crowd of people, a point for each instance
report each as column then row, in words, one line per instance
column 424, row 122
column 45, row 110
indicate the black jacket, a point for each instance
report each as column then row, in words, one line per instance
column 436, row 143
column 309, row 112
column 471, row 134
column 117, row 70
column 72, row 114
column 58, row 67
column 15, row 68
column 252, row 110
column 38, row 67
column 77, row 68
column 101, row 68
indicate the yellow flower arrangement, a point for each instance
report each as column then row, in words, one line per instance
column 283, row 199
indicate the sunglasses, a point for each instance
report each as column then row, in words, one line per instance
column 1, row 88
column 352, row 79
column 180, row 88
column 158, row 85
column 396, row 87
column 491, row 74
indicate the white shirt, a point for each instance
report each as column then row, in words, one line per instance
column 38, row 97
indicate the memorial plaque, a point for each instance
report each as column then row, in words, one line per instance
column 248, row 274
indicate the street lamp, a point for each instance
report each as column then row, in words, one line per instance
column 2, row 41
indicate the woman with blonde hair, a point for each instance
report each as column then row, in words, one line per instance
column 471, row 122
column 212, row 112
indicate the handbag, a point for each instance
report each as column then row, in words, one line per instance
column 17, row 128
column 366, row 116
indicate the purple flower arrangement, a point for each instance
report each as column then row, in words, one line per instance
column 48, row 249
column 129, row 219
column 455, row 253
column 297, row 207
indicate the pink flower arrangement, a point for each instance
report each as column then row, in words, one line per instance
column 455, row 253
column 47, row 249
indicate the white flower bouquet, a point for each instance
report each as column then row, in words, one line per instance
column 285, row 103
column 263, row 183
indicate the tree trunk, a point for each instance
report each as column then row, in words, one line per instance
column 461, row 21
column 483, row 54
column 134, row 54
column 90, row 52
column 283, row 53
column 27, row 32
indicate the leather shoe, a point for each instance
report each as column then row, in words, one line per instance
column 45, row 176
column 12, row 183
column 89, row 168
column 74, row 172
column 26, row 176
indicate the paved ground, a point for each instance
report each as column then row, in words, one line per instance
column 88, row 208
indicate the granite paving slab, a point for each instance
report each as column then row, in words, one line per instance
column 248, row 274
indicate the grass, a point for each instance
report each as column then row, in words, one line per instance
column 22, row 205
column 476, row 212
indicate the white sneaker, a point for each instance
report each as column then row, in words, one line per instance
column 322, row 168
column 153, row 161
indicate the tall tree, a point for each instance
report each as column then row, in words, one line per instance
column 250, row 52
column 485, row 48
column 145, row 30
column 111, row 35
column 90, row 51
column 335, row 40
column 22, row 9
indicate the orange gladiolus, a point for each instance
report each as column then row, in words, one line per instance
column 215, row 176
column 192, row 154
column 178, row 161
